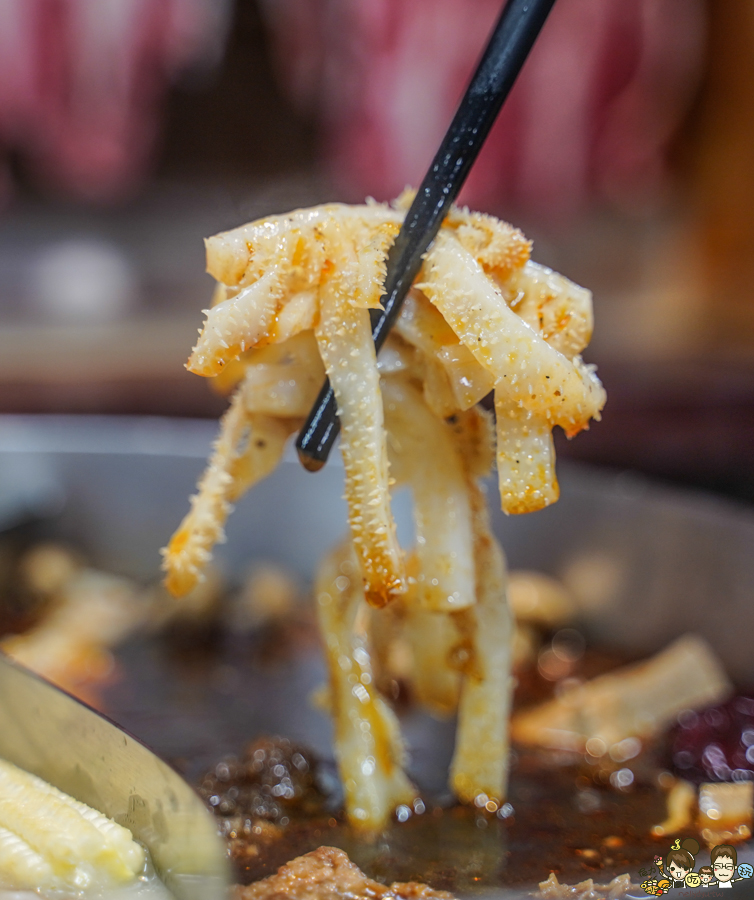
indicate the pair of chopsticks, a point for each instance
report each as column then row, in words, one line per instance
column 507, row 49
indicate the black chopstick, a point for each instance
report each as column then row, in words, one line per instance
column 510, row 42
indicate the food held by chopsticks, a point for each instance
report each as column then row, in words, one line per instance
column 292, row 302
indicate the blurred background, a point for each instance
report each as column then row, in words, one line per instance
column 131, row 129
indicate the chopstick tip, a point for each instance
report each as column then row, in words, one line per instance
column 309, row 462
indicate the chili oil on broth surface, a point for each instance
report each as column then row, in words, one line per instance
column 559, row 817
column 231, row 657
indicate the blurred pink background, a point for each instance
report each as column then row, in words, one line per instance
column 83, row 86
column 590, row 118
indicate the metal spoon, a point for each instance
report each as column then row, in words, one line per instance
column 53, row 735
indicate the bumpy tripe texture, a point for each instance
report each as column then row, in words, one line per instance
column 48, row 840
column 292, row 302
